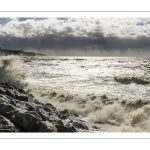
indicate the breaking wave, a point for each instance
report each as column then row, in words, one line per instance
column 128, row 80
column 11, row 71
column 125, row 115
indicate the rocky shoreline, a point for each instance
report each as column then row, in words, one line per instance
column 5, row 52
column 21, row 112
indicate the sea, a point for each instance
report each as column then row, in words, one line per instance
column 110, row 94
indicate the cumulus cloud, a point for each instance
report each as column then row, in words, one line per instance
column 120, row 27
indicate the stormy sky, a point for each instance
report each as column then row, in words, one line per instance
column 77, row 36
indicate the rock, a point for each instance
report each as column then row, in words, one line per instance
column 80, row 125
column 66, row 121
column 21, row 91
column 74, row 113
column 3, row 99
column 50, row 105
column 94, row 127
column 65, row 112
column 4, row 107
column 26, row 106
column 2, row 91
column 9, row 114
column 21, row 97
column 9, row 93
column 62, row 128
column 7, row 99
column 55, row 119
column 63, row 117
column 43, row 115
column 44, row 126
column 47, row 108
column 37, row 102
column 6, row 125
column 24, row 120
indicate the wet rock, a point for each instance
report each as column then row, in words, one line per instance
column 37, row 102
column 48, row 109
column 7, row 99
column 4, row 107
column 9, row 93
column 63, row 117
column 21, row 97
column 6, row 125
column 62, row 128
column 80, row 125
column 2, row 91
column 21, row 91
column 66, row 121
column 51, row 106
column 74, row 113
column 43, row 115
column 24, row 120
column 65, row 112
column 9, row 114
column 26, row 106
column 94, row 127
column 44, row 126
column 55, row 119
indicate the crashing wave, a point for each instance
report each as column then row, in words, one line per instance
column 11, row 71
column 128, row 80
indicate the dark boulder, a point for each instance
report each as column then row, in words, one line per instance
column 10, row 93
column 26, row 106
column 65, row 112
column 2, row 91
column 21, row 97
column 47, row 108
column 44, row 126
column 43, row 114
column 80, row 125
column 66, row 128
column 4, row 107
column 6, row 125
column 55, row 119
column 24, row 120
column 51, row 106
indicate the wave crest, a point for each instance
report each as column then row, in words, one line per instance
column 128, row 80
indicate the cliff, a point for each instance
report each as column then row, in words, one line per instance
column 5, row 52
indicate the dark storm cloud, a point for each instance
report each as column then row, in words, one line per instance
column 55, row 42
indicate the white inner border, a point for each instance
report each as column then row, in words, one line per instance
column 75, row 14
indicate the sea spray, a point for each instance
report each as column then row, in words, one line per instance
column 11, row 71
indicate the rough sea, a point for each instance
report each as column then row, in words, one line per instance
column 110, row 94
